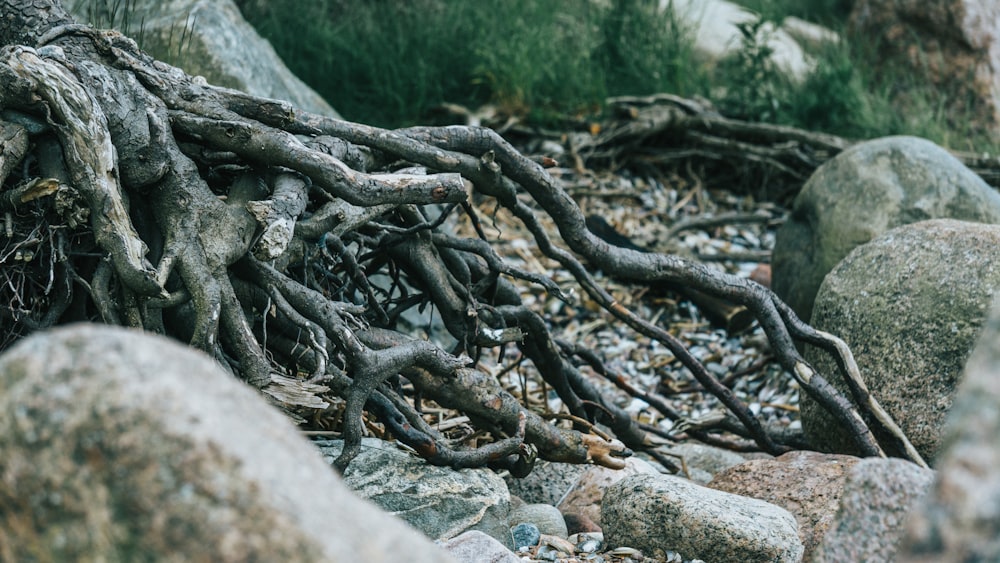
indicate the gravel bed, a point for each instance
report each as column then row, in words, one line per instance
column 728, row 232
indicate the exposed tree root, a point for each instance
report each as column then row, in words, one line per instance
column 288, row 245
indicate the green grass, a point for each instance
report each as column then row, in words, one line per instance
column 389, row 63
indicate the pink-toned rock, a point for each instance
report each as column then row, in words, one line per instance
column 578, row 523
column 584, row 498
column 879, row 496
column 954, row 44
column 807, row 484
column 960, row 519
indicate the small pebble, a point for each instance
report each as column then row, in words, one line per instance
column 525, row 535
column 589, row 543
column 558, row 543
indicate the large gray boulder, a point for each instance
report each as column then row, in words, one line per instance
column 960, row 519
column 661, row 513
column 124, row 446
column 911, row 305
column 210, row 38
column 863, row 192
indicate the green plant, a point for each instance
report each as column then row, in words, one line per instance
column 388, row 63
column 833, row 97
column 755, row 90
column 115, row 14
column 380, row 62
column 120, row 15
column 648, row 51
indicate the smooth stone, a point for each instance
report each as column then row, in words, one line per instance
column 547, row 517
column 476, row 547
column 660, row 513
column 525, row 535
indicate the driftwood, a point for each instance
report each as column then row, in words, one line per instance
column 287, row 245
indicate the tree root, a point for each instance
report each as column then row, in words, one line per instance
column 288, row 246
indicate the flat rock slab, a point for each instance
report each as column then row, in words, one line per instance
column 441, row 502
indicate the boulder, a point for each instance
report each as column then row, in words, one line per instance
column 584, row 499
column 959, row 520
column 717, row 36
column 808, row 34
column 951, row 45
column 210, row 38
column 910, row 304
column 861, row 193
column 806, row 484
column 661, row 513
column 877, row 498
column 441, row 502
column 124, row 446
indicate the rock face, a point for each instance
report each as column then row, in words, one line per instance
column 210, row 38
column 806, row 484
column 877, row 499
column 439, row 501
column 121, row 446
column 955, row 44
column 660, row 513
column 960, row 519
column 863, row 192
column 911, row 305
